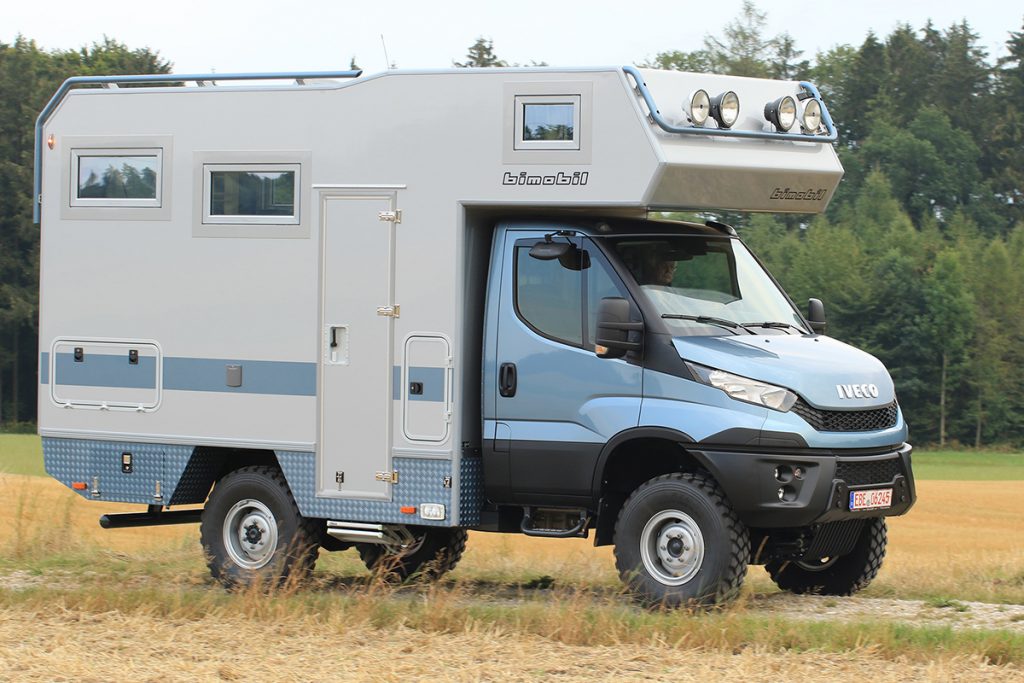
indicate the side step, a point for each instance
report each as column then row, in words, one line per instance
column 364, row 532
column 155, row 516
column 555, row 522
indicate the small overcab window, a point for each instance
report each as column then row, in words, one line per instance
column 107, row 178
column 251, row 193
column 547, row 121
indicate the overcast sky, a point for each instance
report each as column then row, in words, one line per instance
column 258, row 35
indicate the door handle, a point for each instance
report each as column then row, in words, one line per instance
column 507, row 380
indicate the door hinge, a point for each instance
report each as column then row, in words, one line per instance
column 389, row 311
column 387, row 477
column 391, row 216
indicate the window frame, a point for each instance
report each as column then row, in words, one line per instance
column 522, row 101
column 209, row 168
column 112, row 202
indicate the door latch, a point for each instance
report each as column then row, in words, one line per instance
column 390, row 216
column 389, row 311
column 387, row 477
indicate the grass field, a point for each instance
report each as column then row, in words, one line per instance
column 132, row 602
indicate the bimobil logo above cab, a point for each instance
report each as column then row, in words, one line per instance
column 560, row 178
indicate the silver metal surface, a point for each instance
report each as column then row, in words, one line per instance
column 672, row 547
column 396, row 536
column 250, row 534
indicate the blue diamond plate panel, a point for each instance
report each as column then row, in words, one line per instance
column 420, row 480
column 471, row 491
column 98, row 464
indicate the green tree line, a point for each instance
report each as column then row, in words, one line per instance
column 919, row 259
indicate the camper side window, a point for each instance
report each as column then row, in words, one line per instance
column 116, row 177
column 547, row 122
column 251, row 193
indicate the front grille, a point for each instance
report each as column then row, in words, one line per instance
column 862, row 472
column 847, row 420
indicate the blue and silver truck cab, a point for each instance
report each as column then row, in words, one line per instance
column 655, row 375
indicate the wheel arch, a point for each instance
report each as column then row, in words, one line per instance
column 208, row 464
column 632, row 457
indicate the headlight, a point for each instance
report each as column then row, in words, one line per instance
column 744, row 388
column 725, row 108
column 811, row 119
column 700, row 104
column 781, row 113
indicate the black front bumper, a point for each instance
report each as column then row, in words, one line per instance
column 816, row 483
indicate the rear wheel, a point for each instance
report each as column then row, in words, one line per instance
column 843, row 575
column 678, row 541
column 428, row 552
column 252, row 531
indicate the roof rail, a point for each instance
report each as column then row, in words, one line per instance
column 810, row 91
column 172, row 80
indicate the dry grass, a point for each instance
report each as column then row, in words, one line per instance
column 70, row 590
column 65, row 644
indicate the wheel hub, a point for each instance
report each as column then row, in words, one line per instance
column 672, row 547
column 250, row 534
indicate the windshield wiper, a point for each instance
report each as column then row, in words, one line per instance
column 706, row 319
column 774, row 325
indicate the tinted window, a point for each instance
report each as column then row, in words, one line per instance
column 117, row 177
column 549, row 297
column 252, row 193
column 548, row 121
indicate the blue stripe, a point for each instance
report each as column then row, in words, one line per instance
column 284, row 378
column 431, row 378
column 433, row 383
column 99, row 370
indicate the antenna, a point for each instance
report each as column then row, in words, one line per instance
column 387, row 60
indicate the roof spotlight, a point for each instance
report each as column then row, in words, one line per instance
column 781, row 113
column 700, row 104
column 725, row 108
column 811, row 119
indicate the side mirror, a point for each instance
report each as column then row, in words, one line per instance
column 816, row 315
column 613, row 328
column 568, row 255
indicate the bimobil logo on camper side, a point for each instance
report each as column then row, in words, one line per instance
column 807, row 195
column 560, row 178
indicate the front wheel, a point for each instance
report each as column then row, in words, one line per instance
column 252, row 531
column 678, row 541
column 843, row 575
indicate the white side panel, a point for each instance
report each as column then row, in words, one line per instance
column 357, row 277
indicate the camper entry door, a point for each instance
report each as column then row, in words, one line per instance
column 357, row 344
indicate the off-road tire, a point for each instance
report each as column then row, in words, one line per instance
column 430, row 558
column 295, row 550
column 726, row 542
column 845, row 576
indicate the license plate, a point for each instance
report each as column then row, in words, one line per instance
column 874, row 499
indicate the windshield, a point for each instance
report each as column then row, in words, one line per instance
column 714, row 279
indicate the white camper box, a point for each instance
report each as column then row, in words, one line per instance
column 341, row 334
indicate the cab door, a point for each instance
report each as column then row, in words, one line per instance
column 556, row 401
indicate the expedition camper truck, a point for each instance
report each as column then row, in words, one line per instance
column 379, row 312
